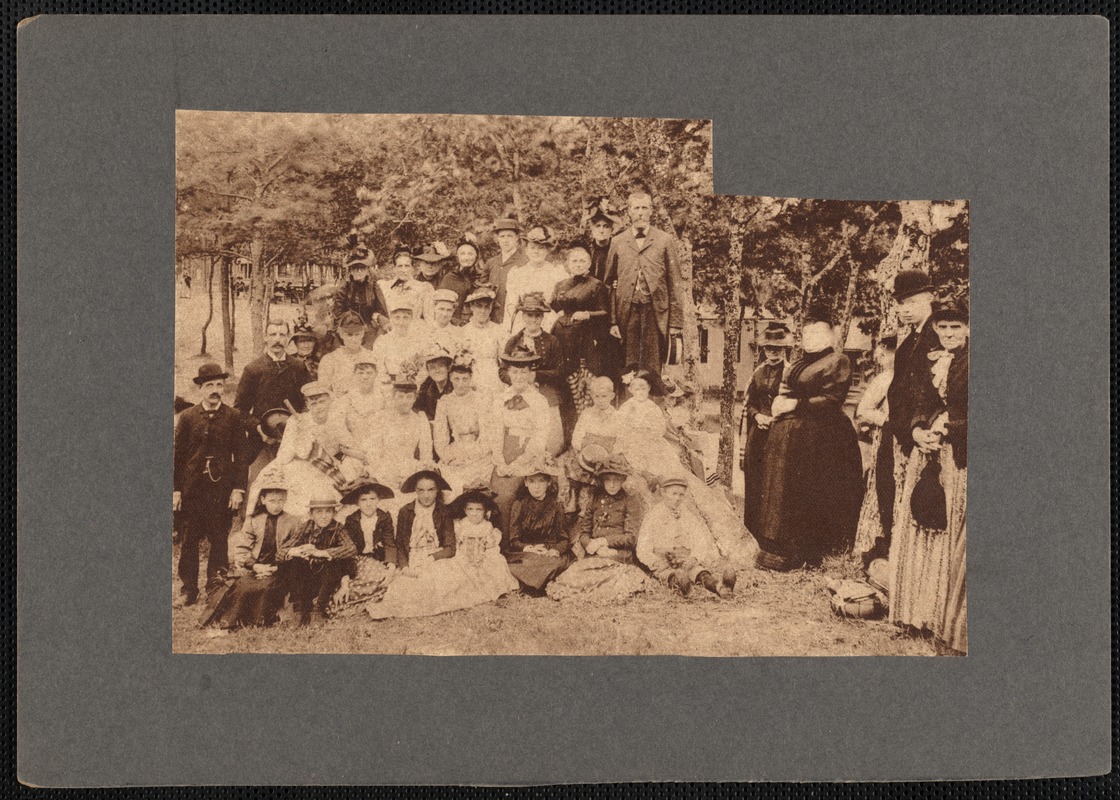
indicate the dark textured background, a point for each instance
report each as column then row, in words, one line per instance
column 1009, row 113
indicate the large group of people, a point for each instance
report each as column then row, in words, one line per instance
column 807, row 491
column 467, row 427
column 470, row 427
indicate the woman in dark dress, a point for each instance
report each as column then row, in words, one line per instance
column 539, row 547
column 755, row 425
column 813, row 477
column 582, row 329
column 927, row 564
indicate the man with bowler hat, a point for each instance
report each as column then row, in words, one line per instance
column 496, row 269
column 210, row 475
column 913, row 296
column 642, row 263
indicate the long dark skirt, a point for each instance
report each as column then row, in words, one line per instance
column 250, row 601
column 754, row 456
column 811, row 490
column 534, row 571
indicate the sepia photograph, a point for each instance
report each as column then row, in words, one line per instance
column 498, row 385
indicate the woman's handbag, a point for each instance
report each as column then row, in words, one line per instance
column 927, row 503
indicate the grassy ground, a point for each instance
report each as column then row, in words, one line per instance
column 771, row 614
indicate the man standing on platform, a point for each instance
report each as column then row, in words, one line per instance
column 642, row 263
column 209, row 479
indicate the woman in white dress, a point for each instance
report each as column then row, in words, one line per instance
column 518, row 428
column 537, row 275
column 464, row 456
column 317, row 456
column 476, row 574
column 484, row 339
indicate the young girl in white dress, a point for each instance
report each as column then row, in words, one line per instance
column 476, row 574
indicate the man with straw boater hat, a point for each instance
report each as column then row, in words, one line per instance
column 210, row 476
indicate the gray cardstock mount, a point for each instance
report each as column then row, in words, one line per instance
column 1010, row 113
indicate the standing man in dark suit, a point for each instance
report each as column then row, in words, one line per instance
column 270, row 381
column 210, row 476
column 496, row 270
column 647, row 309
column 913, row 296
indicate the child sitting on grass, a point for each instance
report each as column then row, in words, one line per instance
column 258, row 555
column 677, row 547
column 322, row 555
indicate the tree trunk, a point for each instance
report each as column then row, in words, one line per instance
column 731, row 316
column 910, row 250
column 227, row 317
column 210, row 309
column 258, row 285
column 691, row 333
column 849, row 298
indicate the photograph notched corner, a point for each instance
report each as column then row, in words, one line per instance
column 483, row 385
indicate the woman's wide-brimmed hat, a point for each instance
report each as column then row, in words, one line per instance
column 355, row 489
column 955, row 309
column 541, row 235
column 209, row 372
column 433, row 253
column 470, row 240
column 542, row 465
column 592, row 456
column 274, row 421
column 533, row 303
column 506, row 224
column 675, row 389
column 615, row 465
column 482, row 291
column 599, row 210
column 359, row 256
column 435, row 352
column 322, row 502
column 521, row 357
column 458, row 506
column 910, row 282
column 351, row 322
column 776, row 334
column 303, row 330
column 410, row 482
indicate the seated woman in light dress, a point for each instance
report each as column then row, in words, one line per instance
column 518, row 428
column 476, row 574
column 464, row 455
column 598, row 425
column 650, row 442
column 317, row 455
